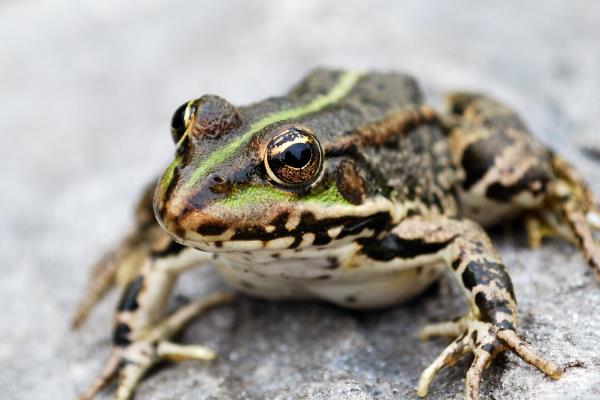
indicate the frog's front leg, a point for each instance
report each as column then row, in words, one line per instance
column 490, row 325
column 141, row 335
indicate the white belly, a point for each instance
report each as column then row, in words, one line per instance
column 340, row 276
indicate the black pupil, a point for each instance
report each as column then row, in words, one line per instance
column 297, row 155
column 178, row 122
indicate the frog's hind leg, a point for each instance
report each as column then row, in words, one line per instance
column 572, row 211
column 506, row 172
column 121, row 264
column 490, row 326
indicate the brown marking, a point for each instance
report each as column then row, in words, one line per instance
column 381, row 132
column 350, row 183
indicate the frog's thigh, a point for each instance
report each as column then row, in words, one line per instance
column 504, row 169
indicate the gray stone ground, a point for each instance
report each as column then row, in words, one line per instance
column 87, row 89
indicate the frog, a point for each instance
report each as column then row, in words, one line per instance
column 349, row 189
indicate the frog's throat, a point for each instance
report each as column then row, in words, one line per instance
column 343, row 86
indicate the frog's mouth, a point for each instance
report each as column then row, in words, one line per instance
column 274, row 227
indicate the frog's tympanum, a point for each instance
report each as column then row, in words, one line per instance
column 347, row 189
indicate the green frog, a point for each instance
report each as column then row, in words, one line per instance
column 348, row 189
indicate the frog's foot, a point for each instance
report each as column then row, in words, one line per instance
column 132, row 360
column 485, row 341
column 570, row 212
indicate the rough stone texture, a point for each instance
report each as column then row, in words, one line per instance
column 87, row 92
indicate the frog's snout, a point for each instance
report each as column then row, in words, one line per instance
column 186, row 214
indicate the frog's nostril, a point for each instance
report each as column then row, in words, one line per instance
column 217, row 179
column 219, row 184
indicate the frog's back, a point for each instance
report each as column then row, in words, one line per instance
column 384, row 125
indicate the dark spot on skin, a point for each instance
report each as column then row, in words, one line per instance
column 455, row 264
column 437, row 202
column 504, row 325
column 350, row 183
column 296, row 242
column 351, row 299
column 129, row 299
column 377, row 222
column 322, row 277
column 218, row 244
column 280, row 220
column 393, row 246
column 179, row 232
column 534, row 180
column 332, row 262
column 412, row 212
column 322, row 239
column 275, row 255
column 479, row 156
column 475, row 167
column 488, row 347
column 489, row 309
column 120, row 335
column 419, row 270
column 172, row 249
column 211, row 229
column 474, row 336
column 483, row 273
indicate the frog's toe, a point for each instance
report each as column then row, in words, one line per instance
column 132, row 359
column 449, row 356
column 106, row 376
column 132, row 362
column 446, row 328
column 485, row 341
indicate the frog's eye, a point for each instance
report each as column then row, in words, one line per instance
column 293, row 158
column 182, row 117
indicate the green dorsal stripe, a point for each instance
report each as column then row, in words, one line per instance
column 345, row 83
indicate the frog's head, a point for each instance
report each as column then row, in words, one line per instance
column 269, row 176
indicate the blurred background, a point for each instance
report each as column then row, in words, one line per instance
column 87, row 89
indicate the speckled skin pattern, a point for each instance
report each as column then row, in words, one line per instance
column 365, row 216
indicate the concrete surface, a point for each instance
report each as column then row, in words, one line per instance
column 87, row 89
